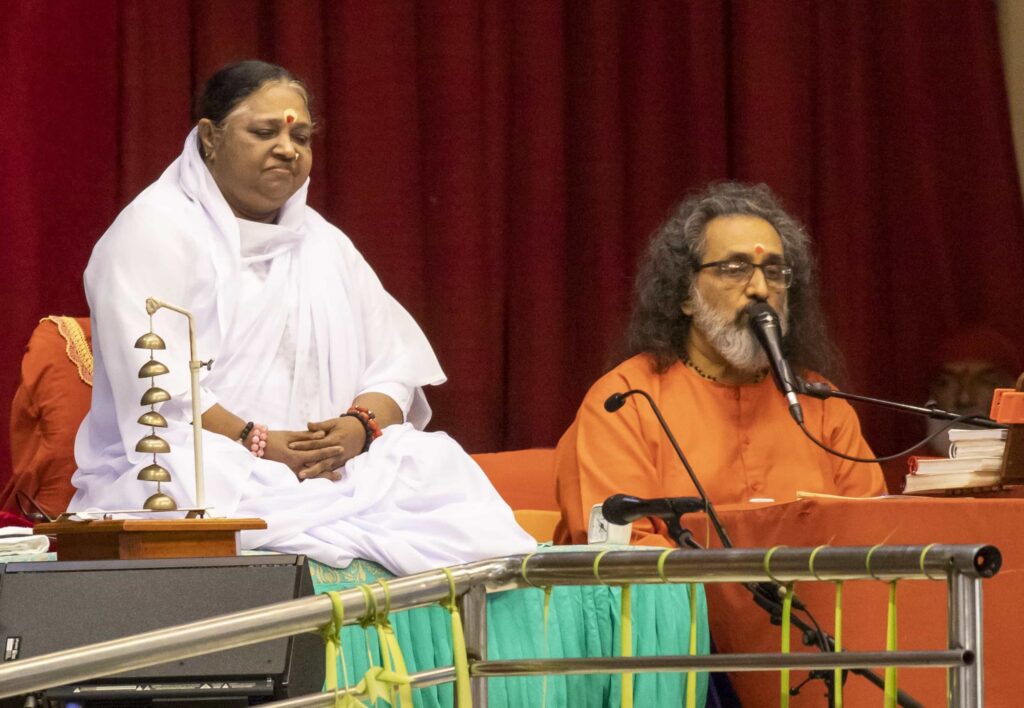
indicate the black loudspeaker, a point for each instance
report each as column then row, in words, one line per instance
column 50, row 606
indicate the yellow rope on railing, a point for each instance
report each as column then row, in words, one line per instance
column 787, row 606
column 391, row 653
column 547, row 608
column 787, row 611
column 691, row 676
column 460, row 659
column 767, row 563
column 837, row 675
column 921, row 560
column 391, row 677
column 391, row 680
column 522, row 568
column 891, row 686
column 547, row 645
column 625, row 633
column 891, row 682
column 331, row 633
column 661, row 563
column 691, row 589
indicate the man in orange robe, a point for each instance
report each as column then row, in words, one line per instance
column 693, row 351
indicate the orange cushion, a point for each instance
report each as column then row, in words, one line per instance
column 538, row 523
column 49, row 405
column 525, row 479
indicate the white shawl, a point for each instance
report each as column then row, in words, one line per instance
column 298, row 325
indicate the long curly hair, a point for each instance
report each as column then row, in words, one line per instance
column 667, row 273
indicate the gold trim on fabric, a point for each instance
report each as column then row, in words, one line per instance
column 77, row 348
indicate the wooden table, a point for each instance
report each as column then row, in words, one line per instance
column 129, row 539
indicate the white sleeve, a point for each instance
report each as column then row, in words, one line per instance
column 401, row 394
column 144, row 254
column 399, row 359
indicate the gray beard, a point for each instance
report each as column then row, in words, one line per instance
column 733, row 339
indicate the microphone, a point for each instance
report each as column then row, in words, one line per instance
column 615, row 401
column 768, row 330
column 762, row 591
column 624, row 509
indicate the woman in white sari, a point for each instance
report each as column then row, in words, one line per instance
column 313, row 409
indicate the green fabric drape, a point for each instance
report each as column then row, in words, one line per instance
column 583, row 621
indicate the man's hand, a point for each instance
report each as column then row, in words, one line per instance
column 344, row 436
column 307, row 453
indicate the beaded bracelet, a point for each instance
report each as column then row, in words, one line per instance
column 371, row 419
column 366, row 427
column 254, row 437
column 368, row 419
column 245, row 432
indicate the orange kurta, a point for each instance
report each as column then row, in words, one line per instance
column 740, row 440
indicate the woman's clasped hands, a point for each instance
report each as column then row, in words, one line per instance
column 320, row 451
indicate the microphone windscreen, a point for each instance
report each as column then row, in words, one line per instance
column 614, row 402
column 612, row 509
column 761, row 311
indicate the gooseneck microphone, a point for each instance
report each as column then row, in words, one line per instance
column 768, row 595
column 765, row 590
column 624, row 509
column 768, row 330
column 615, row 401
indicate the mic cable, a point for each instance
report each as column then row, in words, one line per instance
column 770, row 591
column 615, row 401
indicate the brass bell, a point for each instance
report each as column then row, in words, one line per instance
column 155, row 395
column 153, row 419
column 154, row 473
column 152, row 444
column 152, row 368
column 160, row 502
column 150, row 340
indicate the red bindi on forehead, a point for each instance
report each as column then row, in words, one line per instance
column 758, row 249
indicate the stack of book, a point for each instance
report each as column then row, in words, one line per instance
column 974, row 464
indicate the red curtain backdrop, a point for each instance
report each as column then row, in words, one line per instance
column 502, row 164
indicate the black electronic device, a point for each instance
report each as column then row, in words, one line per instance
column 50, row 606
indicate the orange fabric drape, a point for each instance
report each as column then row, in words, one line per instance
column 737, row 624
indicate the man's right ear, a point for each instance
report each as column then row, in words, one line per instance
column 687, row 307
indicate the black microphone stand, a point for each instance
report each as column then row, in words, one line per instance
column 765, row 596
column 823, row 391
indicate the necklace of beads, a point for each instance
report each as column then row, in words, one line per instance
column 703, row 374
column 700, row 371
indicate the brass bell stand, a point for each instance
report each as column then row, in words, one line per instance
column 123, row 539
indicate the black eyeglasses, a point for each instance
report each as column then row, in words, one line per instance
column 736, row 272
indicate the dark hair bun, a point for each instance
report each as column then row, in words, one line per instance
column 236, row 82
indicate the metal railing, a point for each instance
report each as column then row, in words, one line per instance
column 961, row 566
